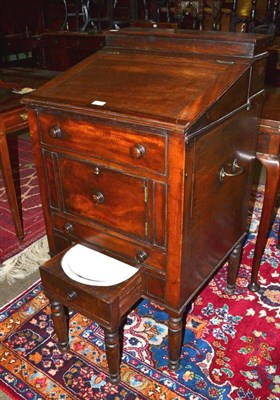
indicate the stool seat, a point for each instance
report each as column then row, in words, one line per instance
column 105, row 305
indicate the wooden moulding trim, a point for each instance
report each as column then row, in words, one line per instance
column 234, row 45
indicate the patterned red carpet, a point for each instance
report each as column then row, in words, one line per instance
column 231, row 345
column 27, row 190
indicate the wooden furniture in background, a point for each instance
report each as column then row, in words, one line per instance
column 98, row 14
column 56, row 51
column 150, row 162
column 22, row 51
column 273, row 64
column 256, row 16
column 62, row 50
column 35, row 39
column 13, row 118
column 235, row 15
column 268, row 153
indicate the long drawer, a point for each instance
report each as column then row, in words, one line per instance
column 122, row 146
column 15, row 120
column 78, row 230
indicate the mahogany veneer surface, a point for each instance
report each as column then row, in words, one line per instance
column 145, row 152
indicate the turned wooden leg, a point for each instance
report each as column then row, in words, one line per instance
column 272, row 167
column 175, row 332
column 233, row 267
column 112, row 343
column 5, row 165
column 60, row 321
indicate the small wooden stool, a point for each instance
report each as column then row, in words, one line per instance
column 105, row 305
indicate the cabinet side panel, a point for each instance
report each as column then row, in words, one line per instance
column 222, row 173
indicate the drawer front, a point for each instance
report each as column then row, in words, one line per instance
column 106, row 305
column 104, row 142
column 15, row 120
column 62, row 288
column 105, row 196
column 77, row 230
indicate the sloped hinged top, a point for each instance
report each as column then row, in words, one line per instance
column 122, row 83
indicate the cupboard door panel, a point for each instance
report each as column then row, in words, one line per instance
column 106, row 196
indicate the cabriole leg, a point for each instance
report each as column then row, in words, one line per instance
column 272, row 167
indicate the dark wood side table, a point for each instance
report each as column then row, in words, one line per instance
column 13, row 118
column 268, row 153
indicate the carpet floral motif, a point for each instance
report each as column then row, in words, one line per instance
column 230, row 348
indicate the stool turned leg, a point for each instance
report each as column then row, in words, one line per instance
column 60, row 321
column 175, row 331
column 112, row 343
column 233, row 267
column 272, row 167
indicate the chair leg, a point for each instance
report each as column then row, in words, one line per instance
column 6, row 169
column 272, row 166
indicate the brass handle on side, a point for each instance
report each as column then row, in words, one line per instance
column 24, row 116
column 141, row 256
column 71, row 296
column 55, row 132
column 98, row 198
column 236, row 170
column 137, row 151
column 68, row 228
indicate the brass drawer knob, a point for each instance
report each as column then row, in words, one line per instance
column 24, row 116
column 68, row 228
column 98, row 198
column 141, row 256
column 71, row 296
column 137, row 151
column 55, row 132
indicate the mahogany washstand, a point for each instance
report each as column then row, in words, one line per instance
column 145, row 153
